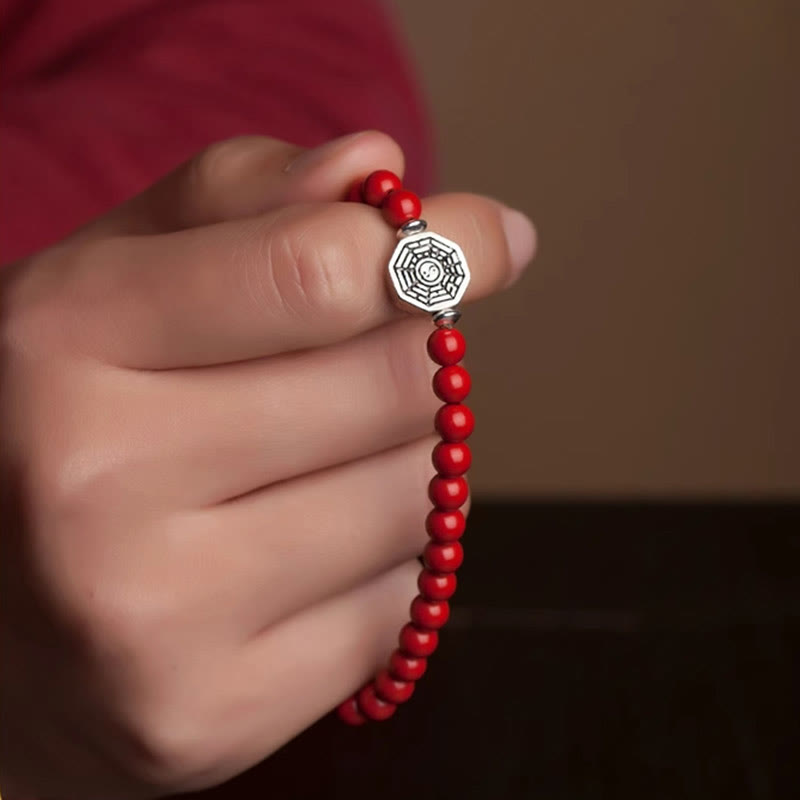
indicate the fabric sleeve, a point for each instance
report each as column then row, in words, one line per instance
column 100, row 97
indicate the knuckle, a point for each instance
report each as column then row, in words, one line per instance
column 71, row 479
column 176, row 734
column 169, row 749
column 123, row 617
column 44, row 298
column 312, row 274
column 114, row 599
column 113, row 619
column 32, row 312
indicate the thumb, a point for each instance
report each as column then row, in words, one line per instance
column 246, row 176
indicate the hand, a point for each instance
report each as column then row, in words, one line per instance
column 215, row 452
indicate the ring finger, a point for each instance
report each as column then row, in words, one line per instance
column 270, row 420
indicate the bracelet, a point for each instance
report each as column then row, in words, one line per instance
column 427, row 272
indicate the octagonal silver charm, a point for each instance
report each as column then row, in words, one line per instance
column 429, row 271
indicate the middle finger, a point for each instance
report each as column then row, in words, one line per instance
column 266, row 421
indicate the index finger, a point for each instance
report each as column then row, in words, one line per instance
column 298, row 277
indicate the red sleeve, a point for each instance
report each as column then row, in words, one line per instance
column 100, row 97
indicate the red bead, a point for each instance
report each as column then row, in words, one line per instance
column 448, row 493
column 451, row 458
column 354, row 194
column 454, row 422
column 372, row 706
column 377, row 186
column 392, row 690
column 445, row 526
column 443, row 556
column 446, row 346
column 401, row 206
column 430, row 614
column 417, row 642
column 452, row 383
column 437, row 587
column 407, row 668
column 349, row 712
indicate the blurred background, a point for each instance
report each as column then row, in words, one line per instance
column 653, row 348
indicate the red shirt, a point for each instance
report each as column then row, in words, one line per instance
column 101, row 97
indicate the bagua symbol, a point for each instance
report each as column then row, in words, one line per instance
column 429, row 271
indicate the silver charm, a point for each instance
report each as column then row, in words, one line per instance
column 429, row 271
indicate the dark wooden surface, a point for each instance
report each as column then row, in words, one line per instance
column 596, row 651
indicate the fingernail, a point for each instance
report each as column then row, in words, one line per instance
column 309, row 158
column 521, row 238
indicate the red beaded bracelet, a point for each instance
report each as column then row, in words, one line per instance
column 427, row 272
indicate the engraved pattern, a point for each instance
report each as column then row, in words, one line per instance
column 429, row 271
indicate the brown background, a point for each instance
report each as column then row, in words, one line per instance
column 653, row 348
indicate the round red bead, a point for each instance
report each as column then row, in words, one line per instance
column 452, row 383
column 401, row 206
column 443, row 556
column 377, row 185
column 446, row 346
column 417, row 642
column 430, row 614
column 407, row 668
column 391, row 689
column 454, row 422
column 437, row 587
column 445, row 526
column 349, row 712
column 373, row 706
column 451, row 458
column 354, row 194
column 448, row 493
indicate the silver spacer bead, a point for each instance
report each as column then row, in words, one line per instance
column 446, row 318
column 411, row 227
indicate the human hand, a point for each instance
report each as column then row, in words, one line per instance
column 214, row 459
